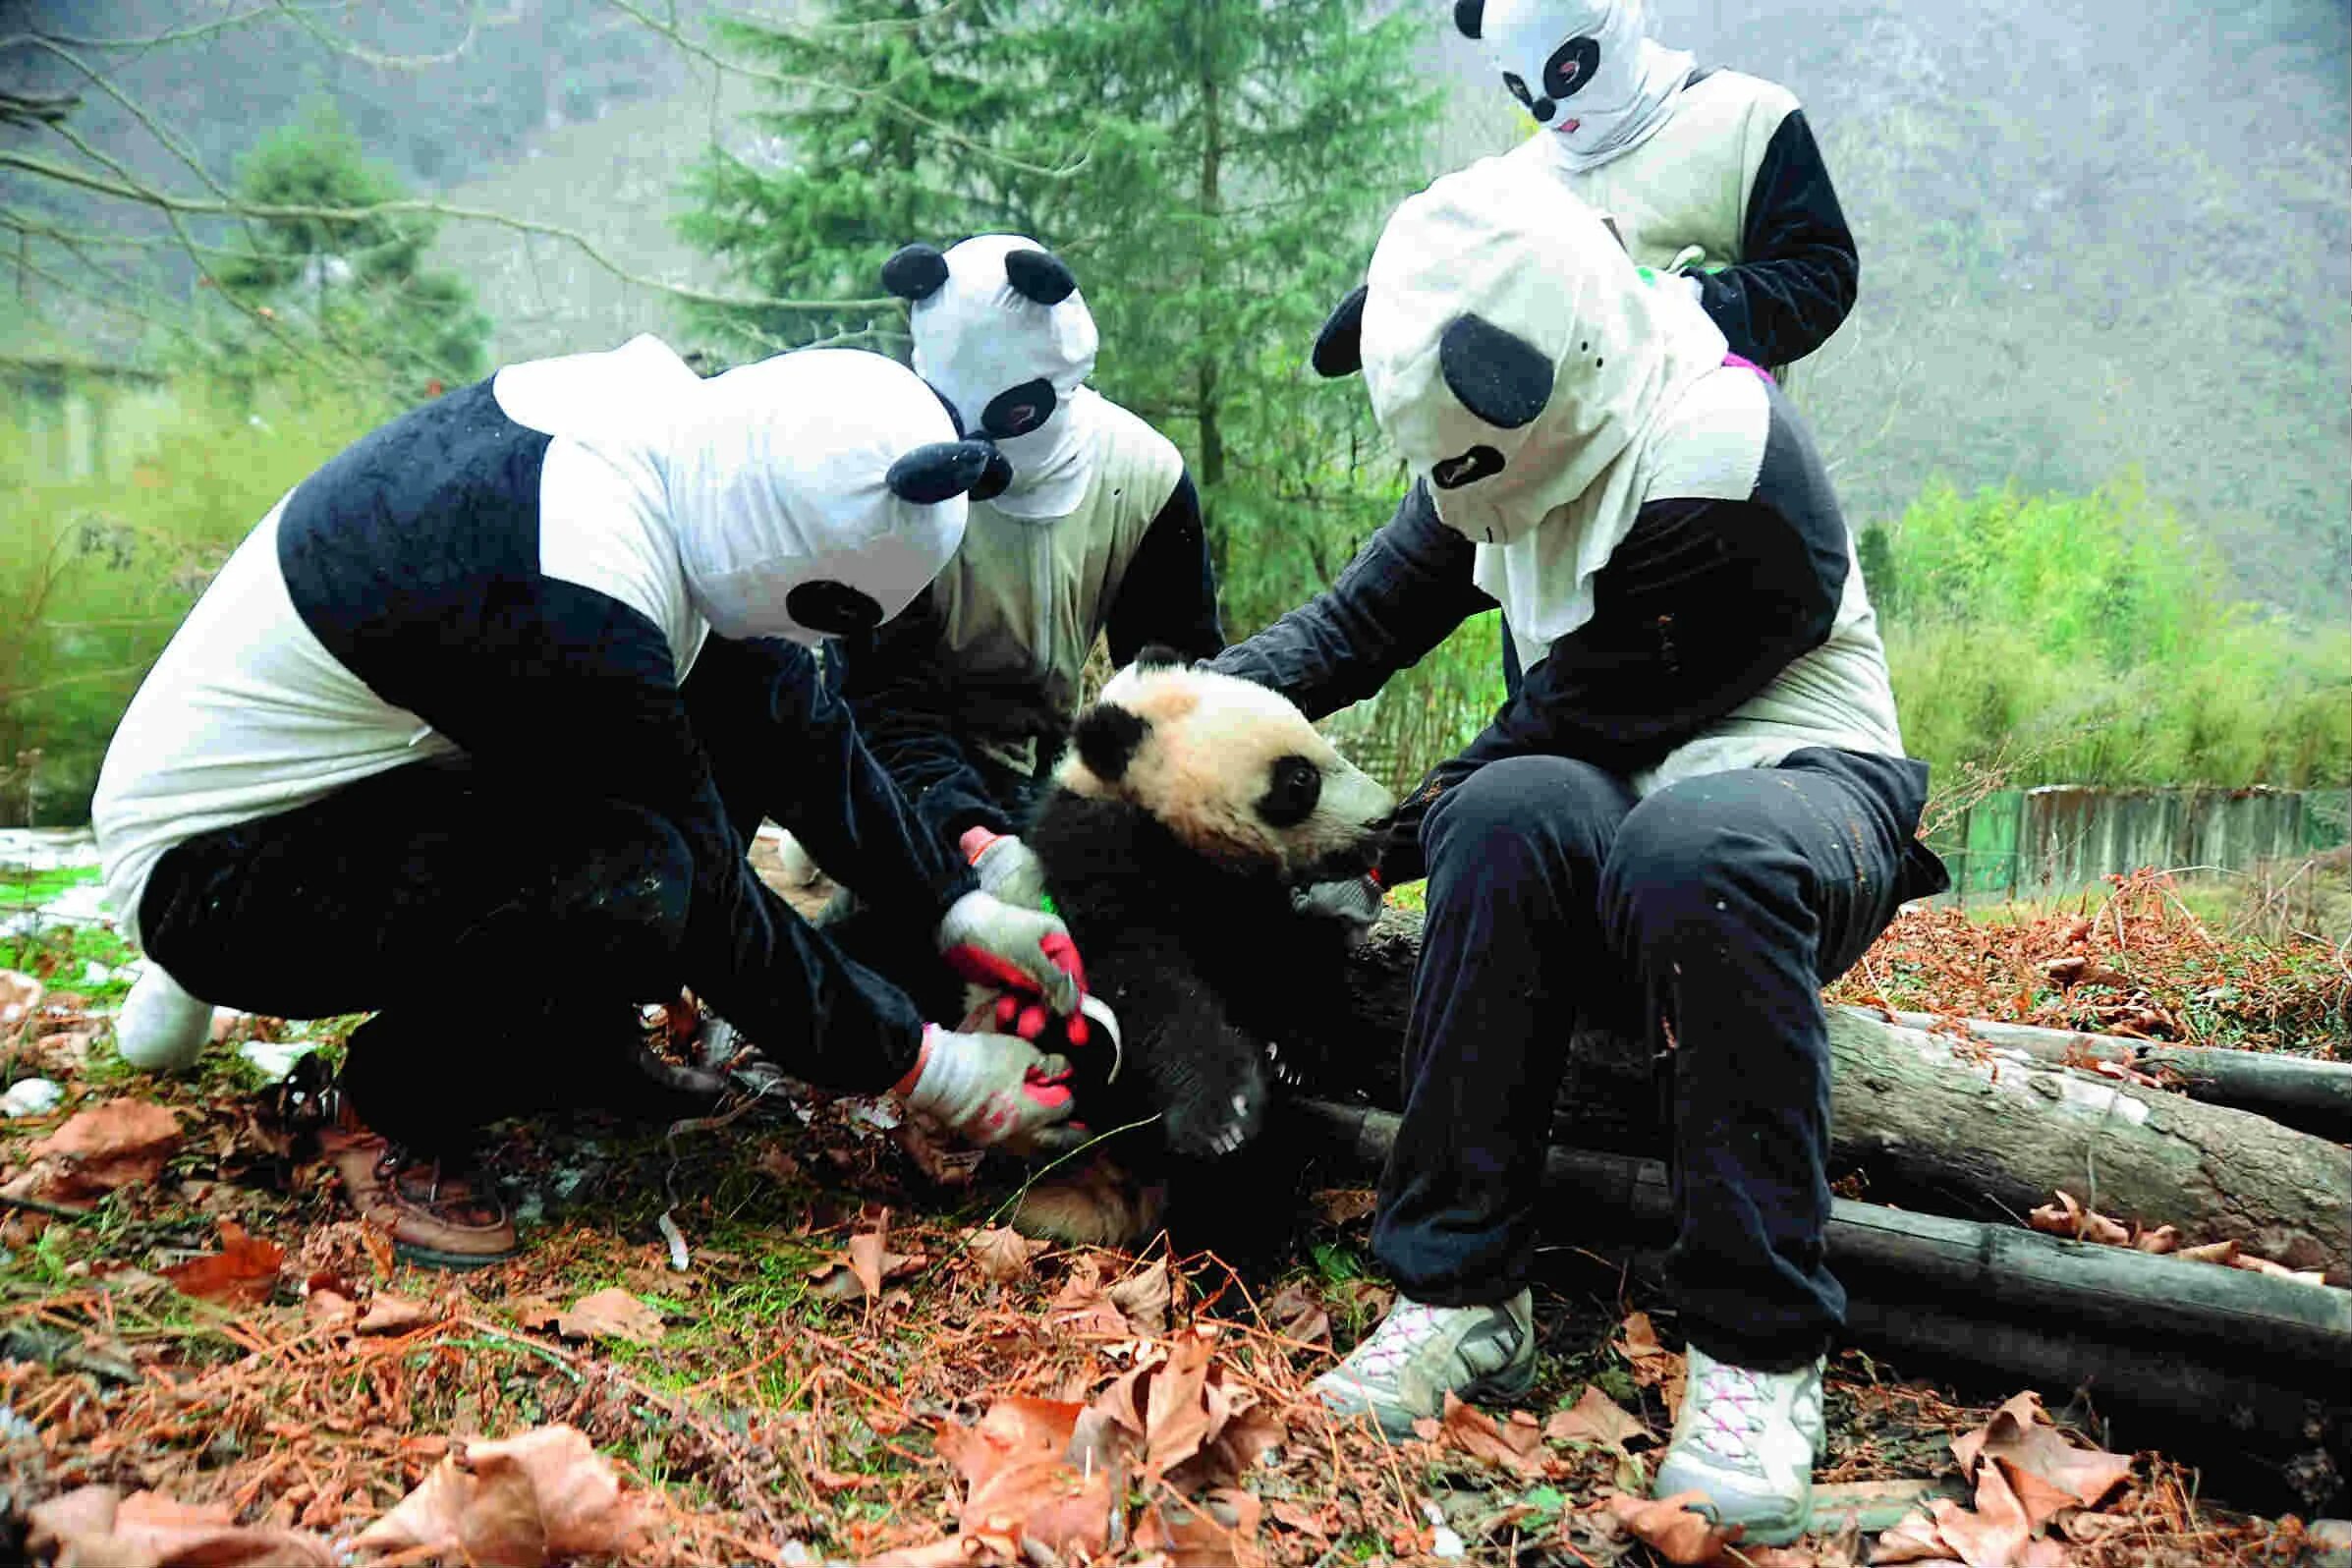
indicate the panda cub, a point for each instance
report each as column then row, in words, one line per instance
column 1187, row 808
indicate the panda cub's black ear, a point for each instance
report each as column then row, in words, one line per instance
column 914, row 271
column 1468, row 16
column 1106, row 737
column 1339, row 345
column 1158, row 657
column 1039, row 275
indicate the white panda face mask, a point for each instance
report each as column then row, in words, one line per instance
column 1581, row 67
column 1511, row 351
column 1002, row 333
column 814, row 494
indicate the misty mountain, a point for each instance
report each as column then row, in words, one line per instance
column 2096, row 237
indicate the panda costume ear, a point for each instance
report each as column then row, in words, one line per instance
column 1106, row 737
column 1339, row 345
column 1038, row 275
column 1468, row 16
column 940, row 469
column 1497, row 375
column 914, row 271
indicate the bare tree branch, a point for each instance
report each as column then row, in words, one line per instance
column 389, row 62
column 129, row 189
column 182, row 34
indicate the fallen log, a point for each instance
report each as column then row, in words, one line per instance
column 2257, row 1355
column 1936, row 1122
column 2299, row 1092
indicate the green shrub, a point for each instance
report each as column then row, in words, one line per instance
column 95, row 572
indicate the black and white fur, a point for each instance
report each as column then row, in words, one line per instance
column 1189, row 806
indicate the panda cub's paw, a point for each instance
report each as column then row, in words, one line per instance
column 1104, row 1205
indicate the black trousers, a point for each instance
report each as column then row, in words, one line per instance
column 504, row 934
column 1708, row 916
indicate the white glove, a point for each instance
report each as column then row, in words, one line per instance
column 1006, row 868
column 161, row 1028
column 991, row 1088
column 991, row 942
column 1690, row 281
column 1353, row 901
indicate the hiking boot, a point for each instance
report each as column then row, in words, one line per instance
column 440, row 1213
column 1747, row 1439
column 1420, row 1353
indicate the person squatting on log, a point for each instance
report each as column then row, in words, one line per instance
column 1711, row 175
column 471, row 732
column 966, row 698
column 1691, row 811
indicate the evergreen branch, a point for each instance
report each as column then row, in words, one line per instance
column 938, row 128
column 129, row 189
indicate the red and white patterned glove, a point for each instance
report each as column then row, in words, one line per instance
column 991, row 1088
column 1025, row 953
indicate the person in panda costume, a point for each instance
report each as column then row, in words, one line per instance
column 470, row 733
column 1691, row 811
column 1711, row 175
column 1095, row 533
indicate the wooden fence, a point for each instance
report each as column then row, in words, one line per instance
column 2062, row 837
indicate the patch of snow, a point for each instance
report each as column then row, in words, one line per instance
column 31, row 1096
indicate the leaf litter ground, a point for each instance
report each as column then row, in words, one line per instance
column 214, row 1364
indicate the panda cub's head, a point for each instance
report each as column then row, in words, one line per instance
column 1232, row 770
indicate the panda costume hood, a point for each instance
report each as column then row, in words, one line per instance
column 811, row 495
column 1585, row 69
column 1526, row 370
column 1003, row 333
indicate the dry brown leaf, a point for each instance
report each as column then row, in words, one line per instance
column 1082, row 1308
column 106, row 1147
column 1915, row 1539
column 389, row 1314
column 100, row 1527
column 2278, row 1271
column 1194, row 1536
column 520, row 1502
column 1002, row 1253
column 1595, row 1418
column 328, row 1307
column 1344, row 1206
column 2220, row 1251
column 19, row 998
column 1668, row 1528
column 866, row 1255
column 2041, row 1500
column 1652, row 1363
column 1515, row 1444
column 1995, row 1533
column 2162, row 1239
column 1295, row 1314
column 244, row 1271
column 1019, row 1480
column 2066, row 1216
column 1143, row 1299
column 608, row 1314
column 2020, row 1432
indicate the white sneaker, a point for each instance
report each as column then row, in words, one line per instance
column 1747, row 1439
column 1420, row 1353
column 161, row 1028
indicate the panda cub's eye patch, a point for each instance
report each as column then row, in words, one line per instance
column 1294, row 786
column 1019, row 410
column 1451, row 473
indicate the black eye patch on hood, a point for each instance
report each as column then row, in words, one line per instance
column 1570, row 67
column 1540, row 109
column 1496, row 373
column 1016, row 411
column 833, row 608
column 1451, row 473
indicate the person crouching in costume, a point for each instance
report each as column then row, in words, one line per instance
column 1095, row 533
column 472, row 729
column 1713, row 175
column 1691, row 811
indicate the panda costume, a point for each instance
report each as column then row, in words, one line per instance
column 1693, row 811
column 1683, row 160
column 1096, row 532
column 470, row 731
